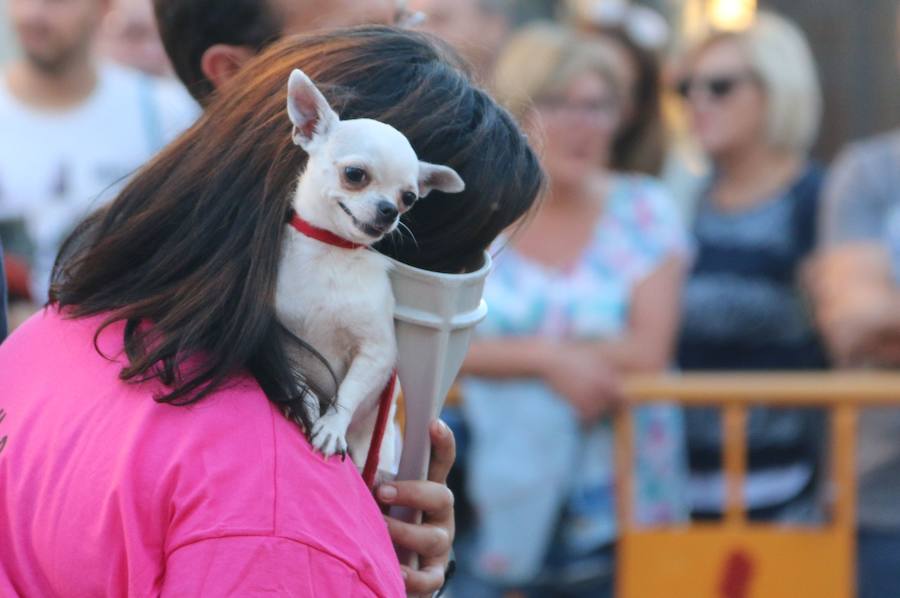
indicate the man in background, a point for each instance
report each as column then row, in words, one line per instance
column 476, row 28
column 208, row 41
column 856, row 287
column 71, row 128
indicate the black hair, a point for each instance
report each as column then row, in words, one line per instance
column 190, row 27
column 193, row 243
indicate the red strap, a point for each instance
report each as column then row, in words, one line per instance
column 384, row 410
column 320, row 234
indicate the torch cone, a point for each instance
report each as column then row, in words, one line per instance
column 434, row 317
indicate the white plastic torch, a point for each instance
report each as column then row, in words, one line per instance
column 434, row 317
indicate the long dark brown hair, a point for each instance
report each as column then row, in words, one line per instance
column 640, row 145
column 192, row 245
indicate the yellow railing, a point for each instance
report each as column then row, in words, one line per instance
column 736, row 558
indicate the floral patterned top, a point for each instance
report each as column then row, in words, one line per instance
column 537, row 475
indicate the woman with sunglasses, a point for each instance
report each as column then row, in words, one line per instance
column 755, row 104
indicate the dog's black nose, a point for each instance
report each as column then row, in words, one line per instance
column 386, row 211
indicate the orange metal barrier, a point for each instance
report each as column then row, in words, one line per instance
column 735, row 558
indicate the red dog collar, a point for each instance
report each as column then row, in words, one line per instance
column 320, row 234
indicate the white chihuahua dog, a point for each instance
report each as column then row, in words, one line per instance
column 333, row 292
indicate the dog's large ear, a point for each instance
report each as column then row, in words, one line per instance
column 438, row 178
column 308, row 110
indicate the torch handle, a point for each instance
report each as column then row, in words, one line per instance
column 405, row 556
column 414, row 462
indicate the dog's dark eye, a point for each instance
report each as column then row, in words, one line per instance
column 408, row 198
column 356, row 176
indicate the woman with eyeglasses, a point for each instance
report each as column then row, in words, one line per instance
column 755, row 103
column 585, row 293
column 636, row 35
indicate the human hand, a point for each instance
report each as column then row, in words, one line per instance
column 848, row 282
column 883, row 351
column 432, row 540
column 582, row 378
column 854, row 299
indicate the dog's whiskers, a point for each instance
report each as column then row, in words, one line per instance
column 407, row 230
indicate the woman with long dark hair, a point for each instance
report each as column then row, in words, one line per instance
column 637, row 35
column 147, row 451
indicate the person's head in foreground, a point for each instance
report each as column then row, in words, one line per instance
column 756, row 88
column 208, row 41
column 175, row 282
column 566, row 92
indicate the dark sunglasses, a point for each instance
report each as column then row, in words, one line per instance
column 716, row 88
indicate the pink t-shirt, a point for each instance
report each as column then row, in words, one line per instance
column 104, row 492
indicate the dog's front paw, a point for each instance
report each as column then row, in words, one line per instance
column 329, row 434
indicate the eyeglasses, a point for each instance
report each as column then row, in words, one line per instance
column 717, row 87
column 408, row 19
column 593, row 109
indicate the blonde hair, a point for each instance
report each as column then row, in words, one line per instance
column 542, row 59
column 780, row 57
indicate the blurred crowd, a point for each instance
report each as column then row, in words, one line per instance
column 685, row 227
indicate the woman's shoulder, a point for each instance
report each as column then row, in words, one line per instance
column 230, row 464
column 66, row 369
column 635, row 193
column 644, row 203
column 810, row 181
column 641, row 183
column 246, row 469
column 257, row 474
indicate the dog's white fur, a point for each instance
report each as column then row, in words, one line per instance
column 340, row 300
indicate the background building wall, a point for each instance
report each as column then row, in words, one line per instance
column 855, row 43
